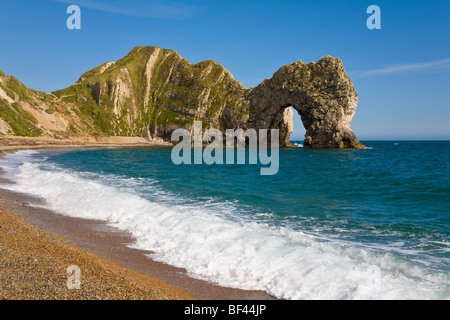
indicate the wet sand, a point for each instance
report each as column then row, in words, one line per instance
column 48, row 242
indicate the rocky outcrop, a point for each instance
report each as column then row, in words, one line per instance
column 153, row 91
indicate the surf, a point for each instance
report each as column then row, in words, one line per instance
column 219, row 242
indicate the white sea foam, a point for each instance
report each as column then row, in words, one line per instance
column 214, row 243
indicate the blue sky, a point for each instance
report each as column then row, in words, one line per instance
column 401, row 72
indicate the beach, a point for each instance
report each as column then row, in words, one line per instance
column 38, row 246
column 34, row 266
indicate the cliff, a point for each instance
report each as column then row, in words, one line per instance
column 153, row 91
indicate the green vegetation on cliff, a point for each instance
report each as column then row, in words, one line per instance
column 16, row 86
column 20, row 121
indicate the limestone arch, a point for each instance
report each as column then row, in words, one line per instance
column 321, row 93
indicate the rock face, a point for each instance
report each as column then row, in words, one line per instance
column 153, row 91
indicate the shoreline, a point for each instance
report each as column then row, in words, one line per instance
column 101, row 242
column 14, row 143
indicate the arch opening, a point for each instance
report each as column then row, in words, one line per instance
column 292, row 130
column 298, row 130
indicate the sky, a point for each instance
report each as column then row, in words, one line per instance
column 401, row 72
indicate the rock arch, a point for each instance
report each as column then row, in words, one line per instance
column 321, row 93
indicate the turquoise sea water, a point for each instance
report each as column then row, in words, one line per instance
column 331, row 224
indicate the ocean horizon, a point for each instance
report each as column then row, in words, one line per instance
column 331, row 224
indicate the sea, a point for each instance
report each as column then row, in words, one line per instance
column 334, row 224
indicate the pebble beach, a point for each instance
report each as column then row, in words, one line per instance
column 34, row 263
